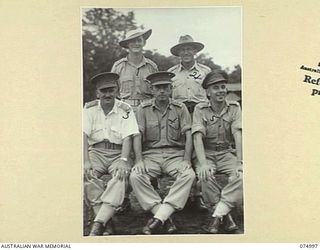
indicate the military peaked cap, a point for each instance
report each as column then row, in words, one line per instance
column 105, row 80
column 214, row 77
column 162, row 77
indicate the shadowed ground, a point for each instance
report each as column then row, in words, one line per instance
column 187, row 221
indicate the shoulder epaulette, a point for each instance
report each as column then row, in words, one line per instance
column 202, row 105
column 176, row 103
column 119, row 61
column 146, row 104
column 153, row 64
column 204, row 66
column 91, row 104
column 233, row 103
column 125, row 107
column 173, row 68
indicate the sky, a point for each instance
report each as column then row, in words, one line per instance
column 218, row 28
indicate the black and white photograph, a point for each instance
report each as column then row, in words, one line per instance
column 162, row 121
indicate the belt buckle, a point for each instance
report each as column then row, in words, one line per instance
column 219, row 146
column 106, row 144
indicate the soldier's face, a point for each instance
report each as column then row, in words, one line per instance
column 107, row 95
column 136, row 45
column 162, row 92
column 217, row 92
column 187, row 54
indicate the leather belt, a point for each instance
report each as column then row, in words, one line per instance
column 218, row 146
column 105, row 144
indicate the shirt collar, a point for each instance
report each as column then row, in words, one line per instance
column 154, row 105
column 195, row 66
column 143, row 62
column 113, row 110
column 224, row 110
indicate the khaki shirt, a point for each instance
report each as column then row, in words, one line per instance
column 217, row 128
column 114, row 126
column 163, row 129
column 187, row 84
column 133, row 84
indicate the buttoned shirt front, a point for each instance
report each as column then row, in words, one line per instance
column 217, row 128
column 187, row 84
column 133, row 84
column 163, row 129
column 119, row 123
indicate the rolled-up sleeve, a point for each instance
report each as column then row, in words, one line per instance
column 236, row 124
column 185, row 119
column 129, row 126
column 87, row 122
column 198, row 123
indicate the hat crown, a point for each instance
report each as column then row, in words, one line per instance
column 186, row 39
column 105, row 79
column 162, row 77
column 214, row 78
column 132, row 33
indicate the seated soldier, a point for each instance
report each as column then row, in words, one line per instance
column 216, row 124
column 108, row 126
column 165, row 126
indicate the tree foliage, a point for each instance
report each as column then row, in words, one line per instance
column 102, row 29
column 235, row 75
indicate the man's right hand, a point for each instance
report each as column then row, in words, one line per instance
column 140, row 168
column 206, row 171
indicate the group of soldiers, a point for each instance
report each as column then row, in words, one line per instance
column 146, row 123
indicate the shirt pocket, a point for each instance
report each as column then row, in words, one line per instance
column 152, row 131
column 227, row 120
column 126, row 85
column 212, row 128
column 97, row 133
column 143, row 86
column 178, row 88
column 174, row 129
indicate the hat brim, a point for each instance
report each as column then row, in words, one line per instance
column 196, row 45
column 161, row 83
column 205, row 86
column 106, row 85
column 145, row 35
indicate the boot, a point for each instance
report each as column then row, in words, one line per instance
column 229, row 224
column 109, row 228
column 213, row 225
column 96, row 229
column 153, row 226
column 169, row 226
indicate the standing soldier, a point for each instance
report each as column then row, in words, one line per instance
column 187, row 88
column 108, row 125
column 216, row 124
column 164, row 125
column 134, row 68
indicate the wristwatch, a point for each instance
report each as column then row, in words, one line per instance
column 124, row 159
